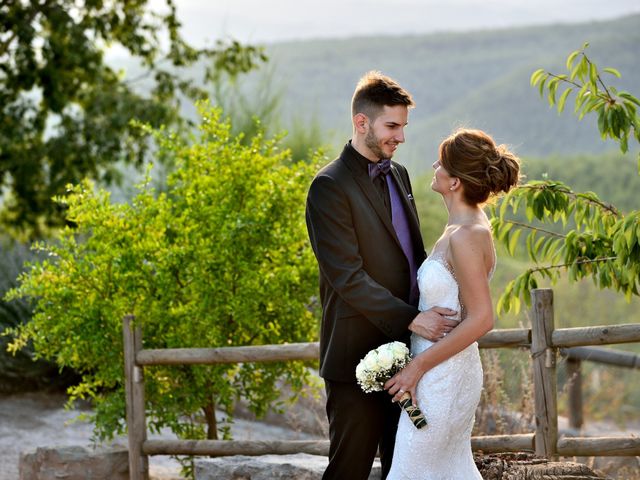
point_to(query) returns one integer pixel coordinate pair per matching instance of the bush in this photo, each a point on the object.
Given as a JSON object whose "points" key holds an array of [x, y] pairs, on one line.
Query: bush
{"points": [[220, 258]]}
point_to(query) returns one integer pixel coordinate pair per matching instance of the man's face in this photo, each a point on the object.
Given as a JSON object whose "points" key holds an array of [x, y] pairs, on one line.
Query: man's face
{"points": [[387, 131]]}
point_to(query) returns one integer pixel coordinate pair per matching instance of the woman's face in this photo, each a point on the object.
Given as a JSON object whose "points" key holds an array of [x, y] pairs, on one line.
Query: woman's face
{"points": [[441, 179]]}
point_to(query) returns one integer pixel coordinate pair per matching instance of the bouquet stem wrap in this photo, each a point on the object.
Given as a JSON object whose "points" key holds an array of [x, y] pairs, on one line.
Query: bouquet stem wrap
{"points": [[415, 415]]}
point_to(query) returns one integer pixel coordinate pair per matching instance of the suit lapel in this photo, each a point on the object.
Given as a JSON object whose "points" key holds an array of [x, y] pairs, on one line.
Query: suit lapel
{"points": [[365, 184], [408, 207]]}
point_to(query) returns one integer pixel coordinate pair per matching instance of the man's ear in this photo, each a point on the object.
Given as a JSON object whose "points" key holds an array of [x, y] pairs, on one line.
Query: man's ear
{"points": [[360, 122]]}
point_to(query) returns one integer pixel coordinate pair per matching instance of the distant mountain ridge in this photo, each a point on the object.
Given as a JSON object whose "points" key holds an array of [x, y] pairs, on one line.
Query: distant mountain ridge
{"points": [[476, 79]]}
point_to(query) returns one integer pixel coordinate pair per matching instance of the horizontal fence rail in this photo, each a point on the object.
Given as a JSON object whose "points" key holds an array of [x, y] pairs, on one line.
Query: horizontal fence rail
{"points": [[222, 448], [599, 446], [210, 356], [506, 338], [543, 341], [602, 355], [605, 335]]}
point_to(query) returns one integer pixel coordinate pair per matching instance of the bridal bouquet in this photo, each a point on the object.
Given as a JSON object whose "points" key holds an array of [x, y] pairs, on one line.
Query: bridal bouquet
{"points": [[378, 366]]}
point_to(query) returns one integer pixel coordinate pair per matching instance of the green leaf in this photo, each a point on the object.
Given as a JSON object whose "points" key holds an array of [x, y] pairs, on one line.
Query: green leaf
{"points": [[513, 241], [583, 69], [571, 58], [582, 96], [563, 99], [541, 86], [552, 86], [612, 71], [593, 74], [629, 236], [602, 122], [631, 98], [535, 76]]}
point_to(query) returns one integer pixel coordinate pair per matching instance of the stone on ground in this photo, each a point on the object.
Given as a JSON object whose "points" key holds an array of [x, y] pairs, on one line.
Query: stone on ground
{"points": [[267, 467]]}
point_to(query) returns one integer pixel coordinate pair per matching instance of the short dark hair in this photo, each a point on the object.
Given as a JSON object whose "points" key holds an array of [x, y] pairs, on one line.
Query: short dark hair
{"points": [[374, 91]]}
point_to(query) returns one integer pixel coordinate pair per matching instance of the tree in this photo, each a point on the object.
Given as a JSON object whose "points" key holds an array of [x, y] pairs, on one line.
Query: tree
{"points": [[65, 113], [219, 259], [587, 237]]}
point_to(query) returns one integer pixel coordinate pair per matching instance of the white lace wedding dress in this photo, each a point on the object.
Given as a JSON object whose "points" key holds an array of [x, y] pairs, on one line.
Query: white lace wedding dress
{"points": [[447, 395]]}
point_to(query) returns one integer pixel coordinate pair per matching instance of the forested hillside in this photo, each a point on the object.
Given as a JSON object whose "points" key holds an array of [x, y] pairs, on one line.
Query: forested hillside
{"points": [[478, 79]]}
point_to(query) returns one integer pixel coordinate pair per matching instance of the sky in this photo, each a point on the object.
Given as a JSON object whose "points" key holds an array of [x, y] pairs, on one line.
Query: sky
{"points": [[268, 21]]}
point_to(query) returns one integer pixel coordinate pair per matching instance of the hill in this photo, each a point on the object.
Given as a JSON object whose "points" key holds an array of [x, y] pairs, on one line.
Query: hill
{"points": [[478, 79]]}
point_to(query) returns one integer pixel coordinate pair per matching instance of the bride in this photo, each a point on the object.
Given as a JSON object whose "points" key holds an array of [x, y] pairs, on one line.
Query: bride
{"points": [[444, 378]]}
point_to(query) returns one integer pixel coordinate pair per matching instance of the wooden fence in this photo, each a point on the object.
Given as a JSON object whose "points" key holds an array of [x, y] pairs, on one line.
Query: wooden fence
{"points": [[574, 358], [543, 341]]}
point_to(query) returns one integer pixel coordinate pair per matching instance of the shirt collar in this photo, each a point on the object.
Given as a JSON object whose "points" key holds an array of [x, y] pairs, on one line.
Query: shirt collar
{"points": [[363, 162]]}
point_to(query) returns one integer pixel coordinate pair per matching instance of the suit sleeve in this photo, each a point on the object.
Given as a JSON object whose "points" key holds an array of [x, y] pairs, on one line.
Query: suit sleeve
{"points": [[334, 241]]}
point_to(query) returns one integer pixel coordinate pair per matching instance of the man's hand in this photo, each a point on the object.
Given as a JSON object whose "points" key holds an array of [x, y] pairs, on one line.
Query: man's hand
{"points": [[432, 324]]}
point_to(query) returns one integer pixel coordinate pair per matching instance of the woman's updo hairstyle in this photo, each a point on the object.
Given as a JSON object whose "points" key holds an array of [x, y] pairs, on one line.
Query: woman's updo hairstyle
{"points": [[483, 167]]}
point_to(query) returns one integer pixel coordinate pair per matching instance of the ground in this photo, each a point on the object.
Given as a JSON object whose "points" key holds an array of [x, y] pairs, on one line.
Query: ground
{"points": [[32, 420]]}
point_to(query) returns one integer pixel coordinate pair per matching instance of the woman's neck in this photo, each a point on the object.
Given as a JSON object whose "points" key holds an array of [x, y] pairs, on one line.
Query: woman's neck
{"points": [[463, 214]]}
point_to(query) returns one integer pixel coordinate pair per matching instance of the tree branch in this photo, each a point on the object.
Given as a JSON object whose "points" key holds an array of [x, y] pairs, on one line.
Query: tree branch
{"points": [[605, 206], [609, 97], [578, 262], [571, 82], [530, 227]]}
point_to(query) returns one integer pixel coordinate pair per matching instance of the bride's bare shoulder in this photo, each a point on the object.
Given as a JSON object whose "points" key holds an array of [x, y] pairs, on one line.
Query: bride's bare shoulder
{"points": [[471, 233], [470, 240]]}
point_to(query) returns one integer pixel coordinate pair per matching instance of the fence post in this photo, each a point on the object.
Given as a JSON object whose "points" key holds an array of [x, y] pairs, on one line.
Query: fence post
{"points": [[134, 389], [574, 377], [544, 373]]}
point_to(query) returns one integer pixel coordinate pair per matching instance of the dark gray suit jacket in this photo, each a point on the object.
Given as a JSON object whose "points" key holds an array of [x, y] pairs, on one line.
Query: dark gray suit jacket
{"points": [[364, 274]]}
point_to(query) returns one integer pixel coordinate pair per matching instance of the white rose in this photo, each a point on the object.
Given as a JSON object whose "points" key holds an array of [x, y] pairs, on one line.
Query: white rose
{"points": [[399, 349], [385, 359], [360, 370], [371, 361]]}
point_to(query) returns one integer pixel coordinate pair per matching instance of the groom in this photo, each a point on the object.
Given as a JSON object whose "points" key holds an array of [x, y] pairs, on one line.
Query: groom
{"points": [[363, 227]]}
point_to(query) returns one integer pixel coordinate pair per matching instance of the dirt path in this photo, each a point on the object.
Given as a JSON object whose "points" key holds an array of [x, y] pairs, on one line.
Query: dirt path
{"points": [[28, 421]]}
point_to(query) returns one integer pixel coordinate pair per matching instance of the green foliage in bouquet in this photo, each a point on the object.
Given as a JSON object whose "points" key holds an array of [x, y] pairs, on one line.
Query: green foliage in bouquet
{"points": [[221, 258], [583, 235]]}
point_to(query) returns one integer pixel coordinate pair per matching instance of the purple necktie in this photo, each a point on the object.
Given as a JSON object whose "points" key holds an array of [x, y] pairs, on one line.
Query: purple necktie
{"points": [[399, 220], [401, 226]]}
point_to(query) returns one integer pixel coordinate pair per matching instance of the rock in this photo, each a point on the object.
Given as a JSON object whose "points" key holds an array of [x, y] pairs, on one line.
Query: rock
{"points": [[518, 466], [75, 463], [267, 467], [524, 466]]}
